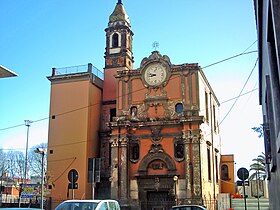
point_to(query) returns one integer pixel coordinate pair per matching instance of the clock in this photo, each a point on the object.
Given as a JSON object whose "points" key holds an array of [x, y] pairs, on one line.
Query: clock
{"points": [[155, 74]]}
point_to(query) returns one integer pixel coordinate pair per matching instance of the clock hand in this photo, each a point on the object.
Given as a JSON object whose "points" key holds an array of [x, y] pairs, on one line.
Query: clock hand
{"points": [[152, 75]]}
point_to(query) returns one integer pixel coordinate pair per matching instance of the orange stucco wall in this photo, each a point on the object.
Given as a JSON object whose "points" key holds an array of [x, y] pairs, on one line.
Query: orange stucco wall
{"points": [[227, 186], [174, 92], [73, 135], [109, 86]]}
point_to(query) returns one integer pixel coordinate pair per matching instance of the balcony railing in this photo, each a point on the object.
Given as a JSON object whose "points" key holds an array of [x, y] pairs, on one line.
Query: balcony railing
{"points": [[78, 69]]}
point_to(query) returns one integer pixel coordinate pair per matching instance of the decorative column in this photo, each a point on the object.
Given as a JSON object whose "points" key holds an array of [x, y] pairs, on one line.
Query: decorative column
{"points": [[187, 141], [124, 170], [196, 164], [114, 168]]}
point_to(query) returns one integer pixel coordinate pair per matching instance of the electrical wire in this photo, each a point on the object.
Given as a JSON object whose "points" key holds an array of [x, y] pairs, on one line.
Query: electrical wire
{"points": [[74, 110], [240, 92], [228, 100], [83, 141]]}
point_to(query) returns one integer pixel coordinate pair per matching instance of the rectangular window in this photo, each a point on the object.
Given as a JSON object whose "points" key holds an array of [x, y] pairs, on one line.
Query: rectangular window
{"points": [[134, 151], [206, 107], [214, 118], [217, 168], [270, 118], [209, 163], [113, 113], [179, 150]]}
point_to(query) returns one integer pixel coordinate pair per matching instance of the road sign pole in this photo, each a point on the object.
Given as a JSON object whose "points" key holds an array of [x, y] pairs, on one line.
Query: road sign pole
{"points": [[244, 195], [72, 183], [92, 179], [243, 174]]}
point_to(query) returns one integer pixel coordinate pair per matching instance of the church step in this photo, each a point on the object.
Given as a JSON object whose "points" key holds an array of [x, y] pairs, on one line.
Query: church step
{"points": [[251, 203]]}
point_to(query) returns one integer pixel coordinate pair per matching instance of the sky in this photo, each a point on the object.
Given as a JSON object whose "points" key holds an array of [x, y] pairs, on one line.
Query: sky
{"points": [[39, 35]]}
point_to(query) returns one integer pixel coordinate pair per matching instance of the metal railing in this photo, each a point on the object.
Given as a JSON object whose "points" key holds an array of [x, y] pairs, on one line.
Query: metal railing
{"points": [[78, 69]]}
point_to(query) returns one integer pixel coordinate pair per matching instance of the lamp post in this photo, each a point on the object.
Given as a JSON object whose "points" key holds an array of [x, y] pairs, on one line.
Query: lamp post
{"points": [[27, 123], [41, 151]]}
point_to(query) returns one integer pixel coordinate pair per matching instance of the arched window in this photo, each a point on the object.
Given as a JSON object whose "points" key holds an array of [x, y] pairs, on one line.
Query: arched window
{"points": [[134, 151], [224, 171], [115, 40], [179, 149]]}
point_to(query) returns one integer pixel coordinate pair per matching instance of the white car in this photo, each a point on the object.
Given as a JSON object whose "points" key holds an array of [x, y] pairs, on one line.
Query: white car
{"points": [[89, 205], [188, 207]]}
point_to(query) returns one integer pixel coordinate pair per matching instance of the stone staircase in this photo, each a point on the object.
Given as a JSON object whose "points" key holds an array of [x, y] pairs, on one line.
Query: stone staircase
{"points": [[251, 203]]}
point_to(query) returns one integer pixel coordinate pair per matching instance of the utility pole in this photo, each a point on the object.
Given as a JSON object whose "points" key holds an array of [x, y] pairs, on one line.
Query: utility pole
{"points": [[42, 152], [258, 188], [27, 123]]}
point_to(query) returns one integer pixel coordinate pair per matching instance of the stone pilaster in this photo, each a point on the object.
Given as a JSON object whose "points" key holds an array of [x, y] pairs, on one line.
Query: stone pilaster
{"points": [[124, 171], [115, 168], [197, 190], [187, 141], [193, 166]]}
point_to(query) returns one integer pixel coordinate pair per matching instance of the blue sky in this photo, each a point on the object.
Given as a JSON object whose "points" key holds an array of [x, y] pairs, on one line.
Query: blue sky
{"points": [[38, 35]]}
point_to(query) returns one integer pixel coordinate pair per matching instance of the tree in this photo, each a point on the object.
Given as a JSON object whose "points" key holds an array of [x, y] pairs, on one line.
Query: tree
{"points": [[258, 168], [259, 130], [35, 160], [3, 162], [16, 163]]}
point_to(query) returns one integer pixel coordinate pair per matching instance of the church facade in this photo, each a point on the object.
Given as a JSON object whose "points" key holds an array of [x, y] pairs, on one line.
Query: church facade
{"points": [[154, 130]]}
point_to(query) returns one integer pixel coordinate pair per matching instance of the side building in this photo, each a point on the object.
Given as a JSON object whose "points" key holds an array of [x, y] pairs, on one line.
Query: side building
{"points": [[75, 108], [268, 28], [227, 174]]}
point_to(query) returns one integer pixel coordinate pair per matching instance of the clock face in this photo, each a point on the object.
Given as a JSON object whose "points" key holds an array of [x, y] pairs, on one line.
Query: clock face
{"points": [[155, 74]]}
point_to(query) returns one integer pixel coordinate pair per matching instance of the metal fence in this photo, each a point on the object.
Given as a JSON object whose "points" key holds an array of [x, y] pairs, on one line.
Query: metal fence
{"points": [[78, 69]]}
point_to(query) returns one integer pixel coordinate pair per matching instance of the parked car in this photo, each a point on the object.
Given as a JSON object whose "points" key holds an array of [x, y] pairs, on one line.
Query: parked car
{"points": [[89, 205], [18, 208], [188, 207]]}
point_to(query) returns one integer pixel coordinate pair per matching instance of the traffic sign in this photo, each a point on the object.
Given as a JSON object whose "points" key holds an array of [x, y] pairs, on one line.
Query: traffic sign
{"points": [[243, 174], [73, 175]]}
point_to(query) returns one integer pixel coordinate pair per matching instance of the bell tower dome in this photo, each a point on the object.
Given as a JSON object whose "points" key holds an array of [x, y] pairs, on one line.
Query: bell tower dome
{"points": [[118, 51]]}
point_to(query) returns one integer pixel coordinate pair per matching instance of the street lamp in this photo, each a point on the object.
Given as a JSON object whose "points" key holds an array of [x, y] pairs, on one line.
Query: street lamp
{"points": [[42, 152], [27, 123]]}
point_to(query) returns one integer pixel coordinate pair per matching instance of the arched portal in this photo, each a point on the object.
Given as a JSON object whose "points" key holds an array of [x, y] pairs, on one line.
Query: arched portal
{"points": [[155, 180]]}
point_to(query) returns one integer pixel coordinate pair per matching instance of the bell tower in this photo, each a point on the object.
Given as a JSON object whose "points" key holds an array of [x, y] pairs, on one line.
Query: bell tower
{"points": [[118, 57], [118, 51], [119, 40]]}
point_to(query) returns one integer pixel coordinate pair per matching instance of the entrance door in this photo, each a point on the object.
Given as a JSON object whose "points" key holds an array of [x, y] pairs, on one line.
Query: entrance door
{"points": [[159, 200]]}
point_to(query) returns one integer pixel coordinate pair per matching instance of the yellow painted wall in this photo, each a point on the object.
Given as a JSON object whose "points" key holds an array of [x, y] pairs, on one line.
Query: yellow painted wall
{"points": [[211, 136]]}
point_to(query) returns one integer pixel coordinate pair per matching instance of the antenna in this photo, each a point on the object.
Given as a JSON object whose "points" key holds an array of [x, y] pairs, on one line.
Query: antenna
{"points": [[155, 45]]}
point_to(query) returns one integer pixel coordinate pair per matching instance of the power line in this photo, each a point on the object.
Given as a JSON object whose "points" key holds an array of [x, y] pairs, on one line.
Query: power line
{"points": [[244, 53], [77, 109], [83, 141], [240, 92], [228, 100]]}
